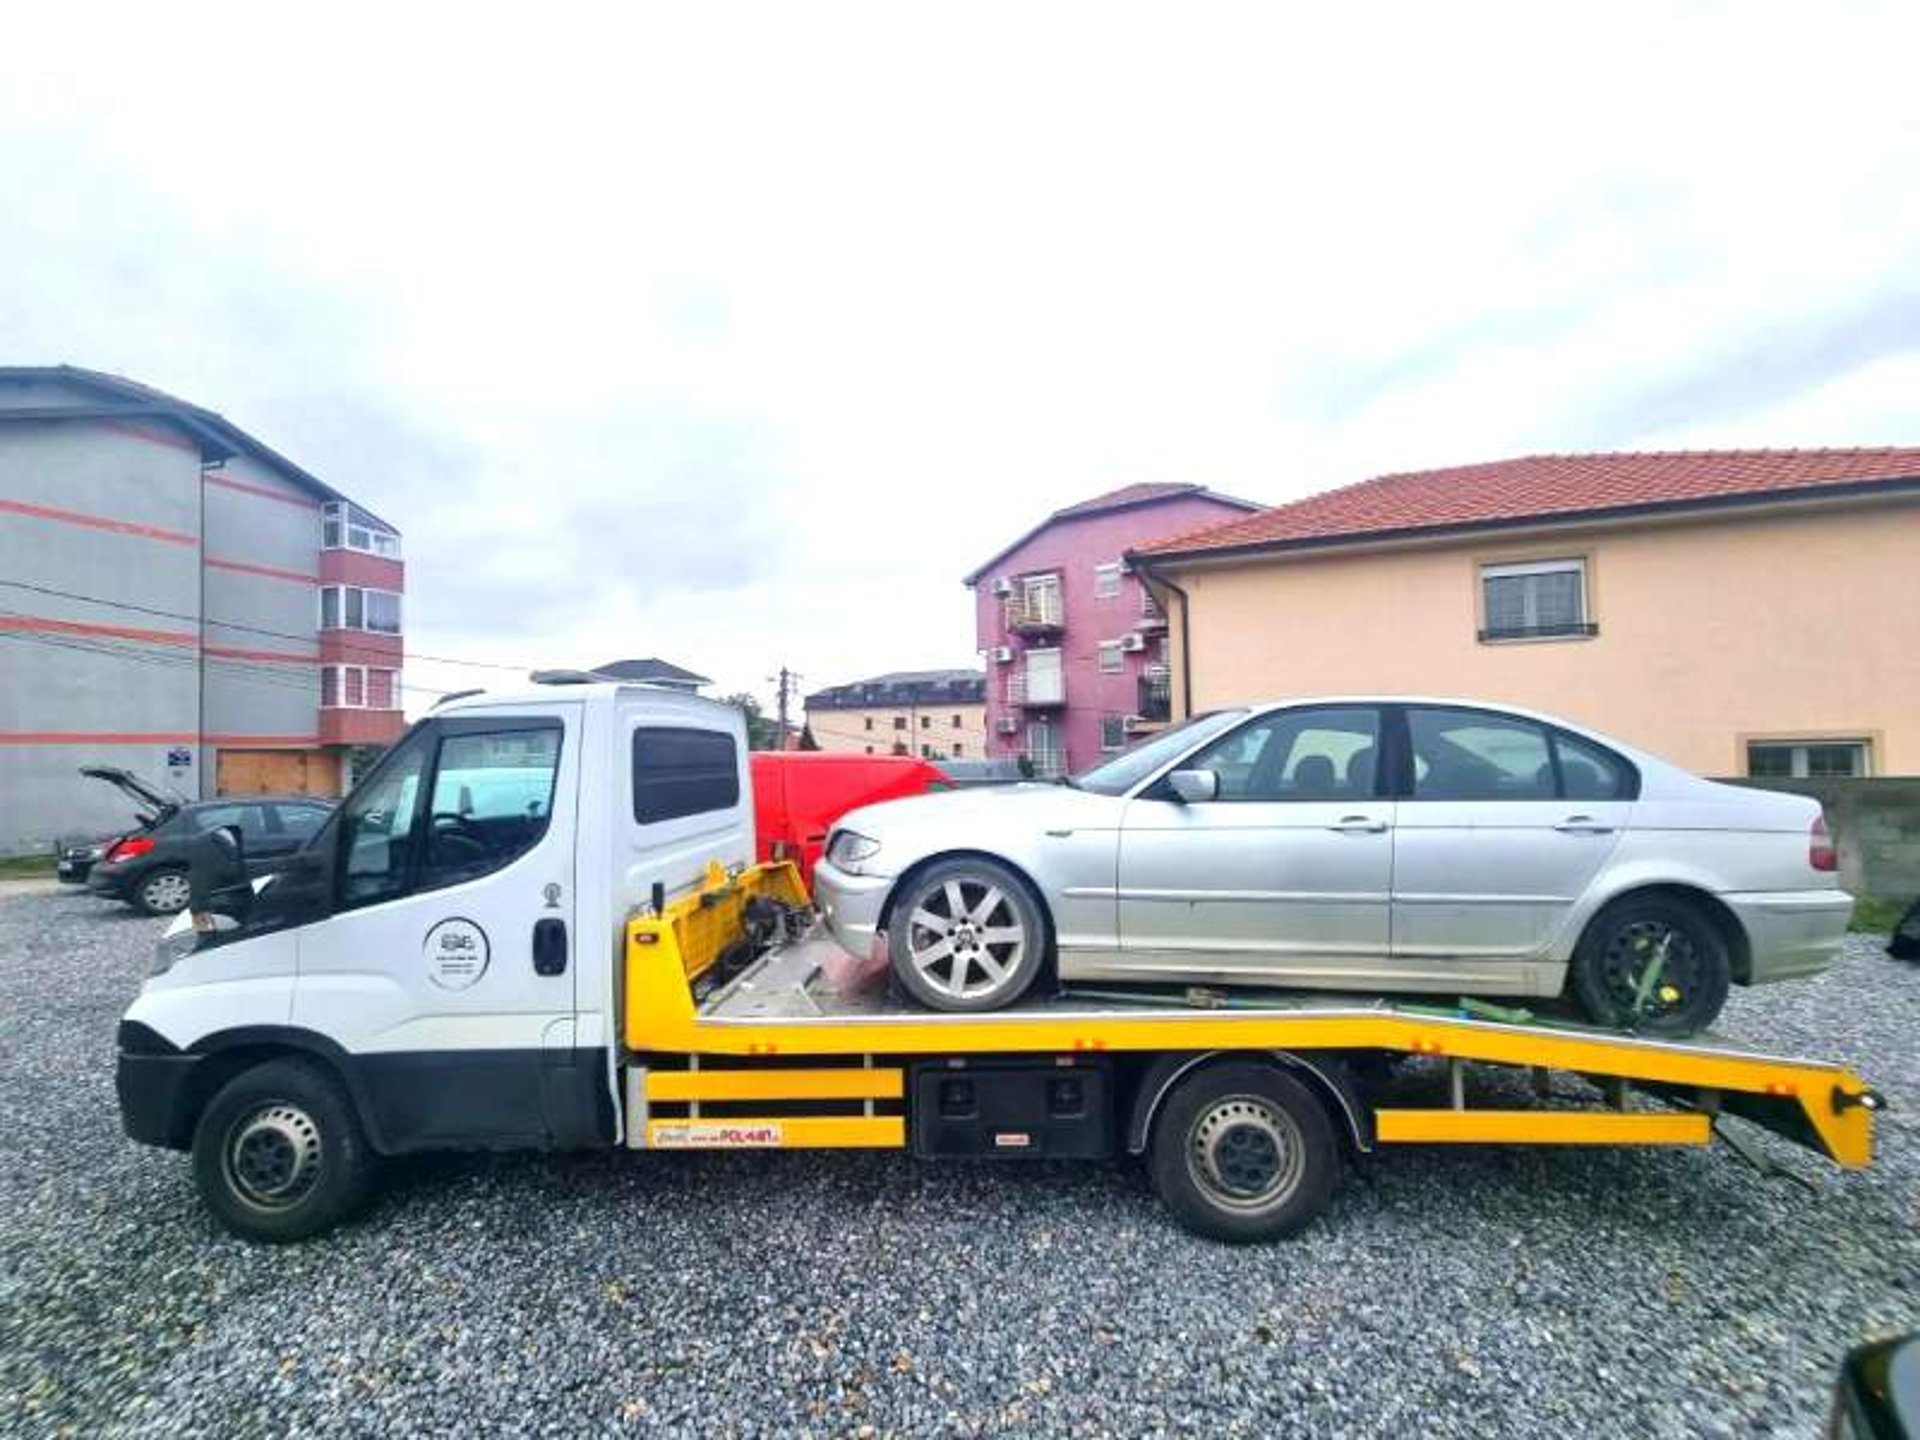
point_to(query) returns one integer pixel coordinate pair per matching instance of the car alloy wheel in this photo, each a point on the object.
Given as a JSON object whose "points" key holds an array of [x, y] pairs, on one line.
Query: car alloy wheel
{"points": [[966, 938], [165, 892]]}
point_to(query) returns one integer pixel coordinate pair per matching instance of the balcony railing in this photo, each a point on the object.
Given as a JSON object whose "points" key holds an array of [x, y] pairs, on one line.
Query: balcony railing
{"points": [[1035, 611], [1036, 692], [1152, 617], [1155, 696], [1048, 762]]}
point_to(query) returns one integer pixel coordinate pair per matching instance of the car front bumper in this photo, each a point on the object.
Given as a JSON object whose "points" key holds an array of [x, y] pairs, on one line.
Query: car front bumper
{"points": [[154, 1081], [852, 904], [1792, 933], [73, 870]]}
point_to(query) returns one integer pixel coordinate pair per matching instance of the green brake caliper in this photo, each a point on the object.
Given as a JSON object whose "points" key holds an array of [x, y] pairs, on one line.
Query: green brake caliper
{"points": [[1648, 981]]}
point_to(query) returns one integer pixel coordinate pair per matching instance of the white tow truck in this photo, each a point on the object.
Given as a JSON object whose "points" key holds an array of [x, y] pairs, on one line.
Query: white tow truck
{"points": [[536, 923]]}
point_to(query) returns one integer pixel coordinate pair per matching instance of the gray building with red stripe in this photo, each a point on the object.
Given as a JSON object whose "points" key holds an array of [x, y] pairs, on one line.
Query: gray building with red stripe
{"points": [[178, 599]]}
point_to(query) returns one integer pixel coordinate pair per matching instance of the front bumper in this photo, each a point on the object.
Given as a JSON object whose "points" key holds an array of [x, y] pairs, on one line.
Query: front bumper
{"points": [[154, 1079], [851, 903], [1792, 933]]}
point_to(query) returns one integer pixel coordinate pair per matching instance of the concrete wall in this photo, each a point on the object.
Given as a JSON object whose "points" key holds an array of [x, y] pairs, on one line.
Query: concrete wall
{"points": [[112, 514], [262, 557], [1074, 547], [1876, 828], [846, 731], [1712, 632]]}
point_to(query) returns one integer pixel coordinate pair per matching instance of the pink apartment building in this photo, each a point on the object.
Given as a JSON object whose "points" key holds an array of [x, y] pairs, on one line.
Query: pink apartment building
{"points": [[1076, 650]]}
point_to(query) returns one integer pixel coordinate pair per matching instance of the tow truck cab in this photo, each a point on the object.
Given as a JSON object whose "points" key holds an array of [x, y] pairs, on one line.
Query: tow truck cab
{"points": [[447, 947]]}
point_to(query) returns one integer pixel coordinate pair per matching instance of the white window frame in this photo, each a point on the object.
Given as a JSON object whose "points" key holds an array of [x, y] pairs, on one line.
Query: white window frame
{"points": [[366, 674], [1110, 651], [372, 539], [1106, 580], [1567, 564], [399, 605], [1797, 756], [1119, 732]]}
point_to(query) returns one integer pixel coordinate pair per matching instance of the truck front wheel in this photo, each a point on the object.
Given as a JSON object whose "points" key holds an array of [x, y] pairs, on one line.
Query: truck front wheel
{"points": [[278, 1154], [1243, 1151]]}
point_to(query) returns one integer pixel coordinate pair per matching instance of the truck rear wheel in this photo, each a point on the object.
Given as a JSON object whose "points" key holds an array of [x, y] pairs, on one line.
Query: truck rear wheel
{"points": [[1243, 1151], [278, 1154]]}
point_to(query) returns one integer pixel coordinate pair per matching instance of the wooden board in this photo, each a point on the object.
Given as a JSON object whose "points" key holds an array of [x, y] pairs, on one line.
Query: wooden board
{"points": [[277, 772]]}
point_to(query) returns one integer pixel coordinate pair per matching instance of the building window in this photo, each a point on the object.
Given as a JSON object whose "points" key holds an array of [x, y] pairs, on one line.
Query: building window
{"points": [[1106, 581], [1536, 600], [348, 527], [348, 607], [926, 752], [1113, 732], [869, 749], [1808, 759], [1112, 658], [926, 722], [899, 722], [956, 722], [359, 687], [958, 749]]}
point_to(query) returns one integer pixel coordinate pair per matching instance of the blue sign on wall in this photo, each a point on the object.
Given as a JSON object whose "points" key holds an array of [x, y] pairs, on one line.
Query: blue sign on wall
{"points": [[179, 758]]}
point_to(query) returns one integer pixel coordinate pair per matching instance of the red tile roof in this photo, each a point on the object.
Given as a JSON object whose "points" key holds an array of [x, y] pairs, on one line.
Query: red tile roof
{"points": [[1507, 492]]}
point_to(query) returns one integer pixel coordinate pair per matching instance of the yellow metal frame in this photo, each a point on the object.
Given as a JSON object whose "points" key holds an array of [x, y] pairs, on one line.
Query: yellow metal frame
{"points": [[665, 951]]}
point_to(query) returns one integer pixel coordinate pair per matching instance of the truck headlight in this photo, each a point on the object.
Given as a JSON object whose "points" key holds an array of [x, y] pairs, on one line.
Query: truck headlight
{"points": [[848, 848]]}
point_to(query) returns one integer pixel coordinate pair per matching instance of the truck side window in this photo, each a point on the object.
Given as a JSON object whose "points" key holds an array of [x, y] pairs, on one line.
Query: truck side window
{"points": [[492, 796], [680, 772], [377, 825]]}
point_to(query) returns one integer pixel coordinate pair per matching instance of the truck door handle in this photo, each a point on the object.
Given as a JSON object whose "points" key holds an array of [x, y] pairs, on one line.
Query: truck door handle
{"points": [[549, 946], [1359, 825], [1583, 825]]}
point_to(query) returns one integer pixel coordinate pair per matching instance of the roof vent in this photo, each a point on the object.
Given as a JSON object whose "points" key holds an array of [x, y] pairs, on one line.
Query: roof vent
{"points": [[566, 677]]}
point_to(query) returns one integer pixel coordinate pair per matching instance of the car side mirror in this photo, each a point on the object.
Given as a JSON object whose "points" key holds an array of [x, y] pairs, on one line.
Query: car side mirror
{"points": [[1194, 787], [217, 882]]}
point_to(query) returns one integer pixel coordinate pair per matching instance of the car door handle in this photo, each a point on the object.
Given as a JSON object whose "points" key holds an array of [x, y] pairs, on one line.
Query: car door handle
{"points": [[1359, 825], [549, 946], [1583, 825]]}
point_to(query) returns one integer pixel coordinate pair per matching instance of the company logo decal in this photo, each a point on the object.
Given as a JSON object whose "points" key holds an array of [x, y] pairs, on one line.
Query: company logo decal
{"points": [[456, 954], [715, 1135]]}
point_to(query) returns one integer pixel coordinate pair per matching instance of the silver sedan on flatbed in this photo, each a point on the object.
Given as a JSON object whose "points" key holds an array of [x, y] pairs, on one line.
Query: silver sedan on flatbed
{"points": [[1365, 844]]}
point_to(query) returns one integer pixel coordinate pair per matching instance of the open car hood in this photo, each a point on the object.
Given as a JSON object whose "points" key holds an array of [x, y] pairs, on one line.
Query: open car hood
{"points": [[134, 786]]}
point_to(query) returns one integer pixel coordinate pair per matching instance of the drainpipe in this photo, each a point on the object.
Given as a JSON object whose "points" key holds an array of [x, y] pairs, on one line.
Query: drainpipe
{"points": [[1147, 572]]}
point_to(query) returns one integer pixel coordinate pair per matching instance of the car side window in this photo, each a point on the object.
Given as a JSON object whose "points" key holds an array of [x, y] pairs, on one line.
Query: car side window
{"points": [[251, 819], [301, 822], [377, 825], [1475, 755], [1589, 773], [492, 799], [1323, 754]]}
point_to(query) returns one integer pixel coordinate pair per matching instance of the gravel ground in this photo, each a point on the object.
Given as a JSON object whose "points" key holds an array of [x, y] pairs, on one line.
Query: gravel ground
{"points": [[1449, 1291]]}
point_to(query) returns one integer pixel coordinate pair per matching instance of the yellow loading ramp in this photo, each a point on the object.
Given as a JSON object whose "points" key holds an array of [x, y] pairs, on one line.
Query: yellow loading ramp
{"points": [[733, 1063]]}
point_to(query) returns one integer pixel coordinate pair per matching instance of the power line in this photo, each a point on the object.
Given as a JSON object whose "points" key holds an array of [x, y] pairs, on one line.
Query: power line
{"points": [[236, 625]]}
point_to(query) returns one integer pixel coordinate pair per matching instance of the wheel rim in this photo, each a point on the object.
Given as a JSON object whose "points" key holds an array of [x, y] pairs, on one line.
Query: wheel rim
{"points": [[1246, 1153], [167, 891], [273, 1156], [1633, 949], [966, 938]]}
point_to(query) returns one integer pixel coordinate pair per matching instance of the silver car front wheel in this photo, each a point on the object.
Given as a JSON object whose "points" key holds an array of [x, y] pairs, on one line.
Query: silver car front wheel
{"points": [[967, 935]]}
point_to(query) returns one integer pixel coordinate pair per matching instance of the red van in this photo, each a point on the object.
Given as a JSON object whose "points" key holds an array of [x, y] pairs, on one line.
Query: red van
{"points": [[797, 795]]}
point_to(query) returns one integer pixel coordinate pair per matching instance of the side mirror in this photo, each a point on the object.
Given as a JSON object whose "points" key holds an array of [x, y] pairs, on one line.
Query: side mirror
{"points": [[1194, 787], [217, 882]]}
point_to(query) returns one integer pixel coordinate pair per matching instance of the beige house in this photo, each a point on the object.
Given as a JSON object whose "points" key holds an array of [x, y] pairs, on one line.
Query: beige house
{"points": [[930, 714], [1742, 613]]}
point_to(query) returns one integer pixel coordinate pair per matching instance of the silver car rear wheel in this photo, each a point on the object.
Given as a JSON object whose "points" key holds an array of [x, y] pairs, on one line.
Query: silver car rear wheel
{"points": [[967, 935]]}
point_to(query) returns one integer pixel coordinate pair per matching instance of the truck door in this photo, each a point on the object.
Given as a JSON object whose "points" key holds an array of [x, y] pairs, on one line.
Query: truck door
{"points": [[446, 963]]}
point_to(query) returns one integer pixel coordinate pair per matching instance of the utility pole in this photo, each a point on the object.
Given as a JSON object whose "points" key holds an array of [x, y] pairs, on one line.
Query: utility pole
{"points": [[788, 681]]}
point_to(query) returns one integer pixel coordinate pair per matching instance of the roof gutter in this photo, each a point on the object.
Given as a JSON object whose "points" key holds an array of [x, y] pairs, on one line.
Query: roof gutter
{"points": [[1146, 569]]}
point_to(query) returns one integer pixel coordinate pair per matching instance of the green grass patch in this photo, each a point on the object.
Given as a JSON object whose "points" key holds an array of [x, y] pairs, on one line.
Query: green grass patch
{"points": [[1874, 916], [25, 867]]}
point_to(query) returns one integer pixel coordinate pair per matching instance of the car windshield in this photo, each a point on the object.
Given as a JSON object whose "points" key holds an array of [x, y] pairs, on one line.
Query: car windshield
{"points": [[1127, 769]]}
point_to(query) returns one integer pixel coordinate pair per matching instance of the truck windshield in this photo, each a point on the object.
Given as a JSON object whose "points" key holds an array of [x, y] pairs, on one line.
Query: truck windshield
{"points": [[1131, 766]]}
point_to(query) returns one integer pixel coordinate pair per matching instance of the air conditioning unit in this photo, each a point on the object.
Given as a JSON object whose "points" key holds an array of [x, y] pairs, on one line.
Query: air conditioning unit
{"points": [[1003, 654], [1133, 644], [1008, 724], [1003, 586]]}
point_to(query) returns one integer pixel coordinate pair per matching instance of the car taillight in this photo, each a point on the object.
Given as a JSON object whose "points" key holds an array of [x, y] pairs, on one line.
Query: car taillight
{"points": [[129, 849], [1820, 852]]}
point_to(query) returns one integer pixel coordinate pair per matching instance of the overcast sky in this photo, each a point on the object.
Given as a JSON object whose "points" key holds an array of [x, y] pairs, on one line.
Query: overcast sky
{"points": [[738, 335]]}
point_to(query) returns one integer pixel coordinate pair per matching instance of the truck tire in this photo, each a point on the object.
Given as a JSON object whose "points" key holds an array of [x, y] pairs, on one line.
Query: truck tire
{"points": [[278, 1154], [1243, 1151], [1623, 939], [966, 934]]}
